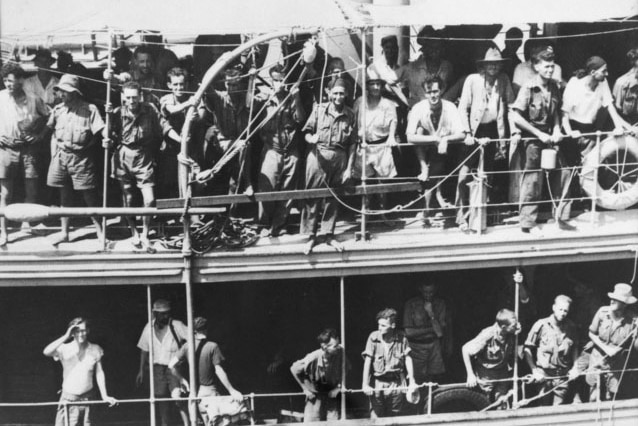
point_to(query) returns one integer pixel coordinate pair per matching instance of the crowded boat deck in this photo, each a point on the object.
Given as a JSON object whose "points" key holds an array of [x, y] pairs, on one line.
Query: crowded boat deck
{"points": [[406, 247]]}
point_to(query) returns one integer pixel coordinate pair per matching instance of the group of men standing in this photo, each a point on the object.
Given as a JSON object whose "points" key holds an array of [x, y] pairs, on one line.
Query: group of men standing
{"points": [[413, 103]]}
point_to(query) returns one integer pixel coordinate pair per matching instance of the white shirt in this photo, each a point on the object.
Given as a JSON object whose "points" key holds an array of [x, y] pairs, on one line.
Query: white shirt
{"points": [[18, 117], [525, 72], [78, 374], [164, 350], [420, 116], [581, 103]]}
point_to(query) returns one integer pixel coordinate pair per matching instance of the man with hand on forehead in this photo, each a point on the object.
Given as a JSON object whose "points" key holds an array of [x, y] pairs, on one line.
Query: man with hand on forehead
{"points": [[331, 131], [81, 362]]}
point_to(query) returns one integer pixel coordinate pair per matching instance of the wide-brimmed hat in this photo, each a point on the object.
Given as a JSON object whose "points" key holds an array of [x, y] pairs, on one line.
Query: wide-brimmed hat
{"points": [[44, 54], [413, 396], [427, 35], [492, 55], [161, 305], [622, 293], [69, 83]]}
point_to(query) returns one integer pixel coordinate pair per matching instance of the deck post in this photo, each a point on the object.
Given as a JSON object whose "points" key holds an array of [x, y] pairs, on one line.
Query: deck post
{"points": [[430, 384], [517, 290], [592, 218], [342, 304], [151, 357], [107, 126], [481, 179], [187, 277], [364, 144]]}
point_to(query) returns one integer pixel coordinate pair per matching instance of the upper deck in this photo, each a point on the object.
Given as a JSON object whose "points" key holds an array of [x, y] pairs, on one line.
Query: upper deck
{"points": [[33, 260]]}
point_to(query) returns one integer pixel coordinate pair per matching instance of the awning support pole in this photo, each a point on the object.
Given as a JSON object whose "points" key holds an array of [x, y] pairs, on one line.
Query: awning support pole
{"points": [[342, 306], [364, 144], [107, 122], [187, 252], [151, 357], [517, 290]]}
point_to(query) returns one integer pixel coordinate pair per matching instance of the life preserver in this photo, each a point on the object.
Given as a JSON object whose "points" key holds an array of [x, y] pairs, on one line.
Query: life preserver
{"points": [[608, 198], [457, 399]]}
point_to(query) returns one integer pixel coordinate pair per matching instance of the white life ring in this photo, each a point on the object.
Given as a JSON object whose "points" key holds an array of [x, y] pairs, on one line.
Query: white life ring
{"points": [[624, 193]]}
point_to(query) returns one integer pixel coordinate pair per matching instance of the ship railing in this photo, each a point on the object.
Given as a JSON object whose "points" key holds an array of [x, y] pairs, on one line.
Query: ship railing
{"points": [[479, 202], [432, 387]]}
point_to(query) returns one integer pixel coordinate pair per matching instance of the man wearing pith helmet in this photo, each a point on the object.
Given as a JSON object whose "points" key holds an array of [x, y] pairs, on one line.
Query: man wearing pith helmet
{"points": [[610, 333], [76, 126]]}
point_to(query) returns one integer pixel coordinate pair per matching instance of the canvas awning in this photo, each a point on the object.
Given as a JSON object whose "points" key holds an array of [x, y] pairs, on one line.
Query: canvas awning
{"points": [[460, 12], [35, 19]]}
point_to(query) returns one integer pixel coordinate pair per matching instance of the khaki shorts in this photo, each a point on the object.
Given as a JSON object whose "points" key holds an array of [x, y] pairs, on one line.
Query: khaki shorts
{"points": [[133, 167], [76, 166], [14, 160]]}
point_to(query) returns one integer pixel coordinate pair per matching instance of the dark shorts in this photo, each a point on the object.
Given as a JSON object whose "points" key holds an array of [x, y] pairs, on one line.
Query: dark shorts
{"points": [[133, 167], [77, 166], [12, 161]]}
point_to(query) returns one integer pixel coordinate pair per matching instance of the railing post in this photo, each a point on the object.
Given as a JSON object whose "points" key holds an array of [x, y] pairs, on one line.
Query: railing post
{"points": [[252, 408], [151, 357], [594, 197], [481, 178], [107, 125], [517, 291], [187, 277], [342, 304], [364, 144], [598, 387], [429, 398]]}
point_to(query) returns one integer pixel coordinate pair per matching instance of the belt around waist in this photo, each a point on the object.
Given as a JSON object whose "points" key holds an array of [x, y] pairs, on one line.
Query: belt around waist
{"points": [[388, 377], [378, 141]]}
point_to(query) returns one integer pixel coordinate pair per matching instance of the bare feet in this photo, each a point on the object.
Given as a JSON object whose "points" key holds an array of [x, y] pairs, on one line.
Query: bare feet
{"points": [[249, 191], [3, 239], [312, 242], [334, 244], [147, 245], [136, 242]]}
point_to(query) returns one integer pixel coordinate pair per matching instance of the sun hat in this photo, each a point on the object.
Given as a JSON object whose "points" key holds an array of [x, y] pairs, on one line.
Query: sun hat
{"points": [[161, 305], [492, 55], [69, 83], [622, 293]]}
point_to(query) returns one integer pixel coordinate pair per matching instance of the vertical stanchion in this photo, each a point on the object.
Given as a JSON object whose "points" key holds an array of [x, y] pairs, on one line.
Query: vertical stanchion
{"points": [[342, 305], [364, 144], [151, 357], [107, 126], [598, 382], [481, 179], [592, 219], [187, 277], [429, 399], [517, 291], [252, 408]]}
